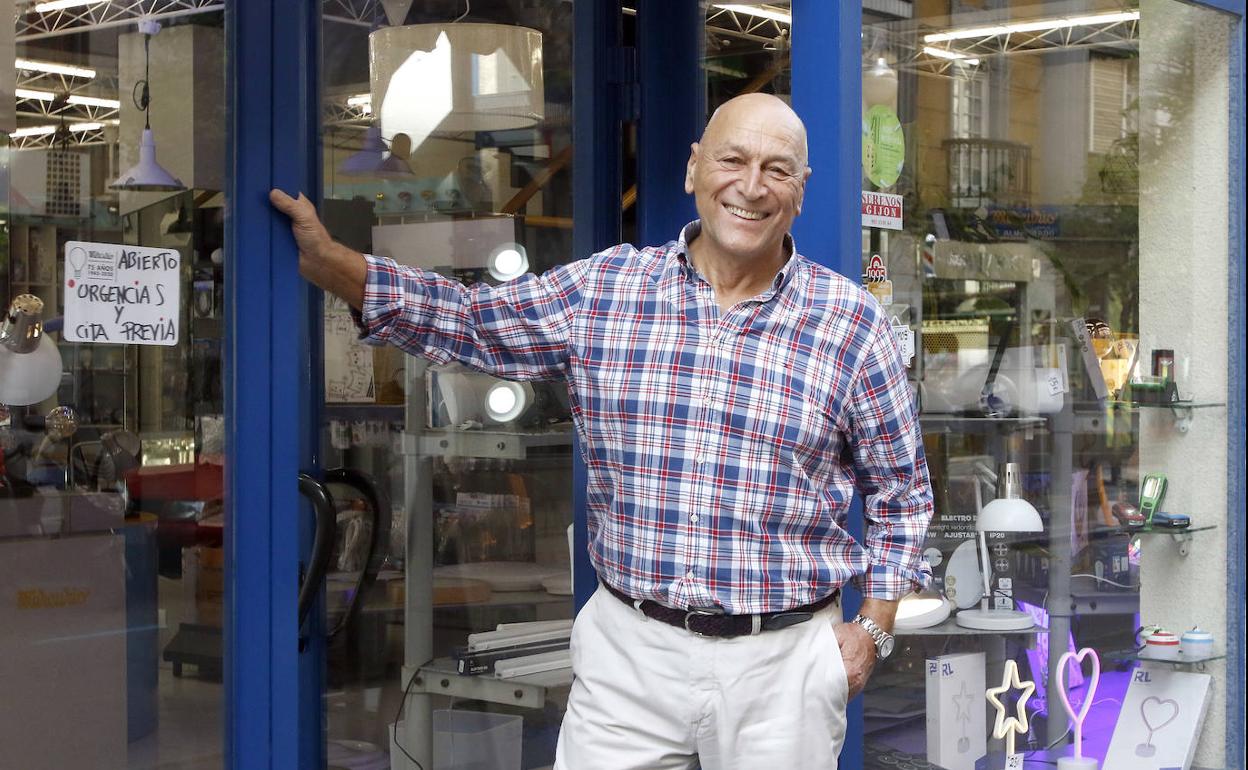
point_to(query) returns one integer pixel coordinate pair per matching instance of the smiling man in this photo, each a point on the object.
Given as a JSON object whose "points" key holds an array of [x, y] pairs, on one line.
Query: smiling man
{"points": [[731, 397]]}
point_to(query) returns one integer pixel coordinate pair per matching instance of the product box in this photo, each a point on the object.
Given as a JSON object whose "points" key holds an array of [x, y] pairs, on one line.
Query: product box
{"points": [[1161, 717], [956, 710], [63, 662]]}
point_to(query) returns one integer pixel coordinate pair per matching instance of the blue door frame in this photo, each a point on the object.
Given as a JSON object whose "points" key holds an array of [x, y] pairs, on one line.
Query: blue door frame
{"points": [[273, 690]]}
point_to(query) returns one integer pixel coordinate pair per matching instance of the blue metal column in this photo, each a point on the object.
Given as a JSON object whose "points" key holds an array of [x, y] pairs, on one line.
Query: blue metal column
{"points": [[673, 110], [827, 94], [595, 188], [273, 692]]}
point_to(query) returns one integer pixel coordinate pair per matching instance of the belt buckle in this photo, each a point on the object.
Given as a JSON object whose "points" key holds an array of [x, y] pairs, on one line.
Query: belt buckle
{"points": [[699, 612]]}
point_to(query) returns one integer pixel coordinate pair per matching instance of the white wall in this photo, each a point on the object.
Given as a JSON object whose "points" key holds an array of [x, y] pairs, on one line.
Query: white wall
{"points": [[1184, 252]]}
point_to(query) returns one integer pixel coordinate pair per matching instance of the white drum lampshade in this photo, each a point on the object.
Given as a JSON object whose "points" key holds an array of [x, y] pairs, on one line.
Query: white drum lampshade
{"points": [[455, 78]]}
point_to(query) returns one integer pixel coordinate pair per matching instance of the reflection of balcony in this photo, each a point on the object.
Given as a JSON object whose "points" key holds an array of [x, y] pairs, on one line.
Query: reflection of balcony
{"points": [[987, 171]]}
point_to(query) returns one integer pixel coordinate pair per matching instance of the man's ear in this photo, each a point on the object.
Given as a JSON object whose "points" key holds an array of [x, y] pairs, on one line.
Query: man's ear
{"points": [[690, 167], [801, 193]]}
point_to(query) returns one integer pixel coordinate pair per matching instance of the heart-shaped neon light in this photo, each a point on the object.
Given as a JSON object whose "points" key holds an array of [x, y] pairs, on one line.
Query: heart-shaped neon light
{"points": [[1078, 717], [1158, 704]]}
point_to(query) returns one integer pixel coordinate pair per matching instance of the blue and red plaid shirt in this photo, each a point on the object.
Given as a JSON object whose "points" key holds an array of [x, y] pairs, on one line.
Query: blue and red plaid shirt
{"points": [[722, 450]]}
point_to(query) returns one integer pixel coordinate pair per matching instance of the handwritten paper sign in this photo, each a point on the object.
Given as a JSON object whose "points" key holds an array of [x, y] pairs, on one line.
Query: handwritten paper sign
{"points": [[119, 294]]}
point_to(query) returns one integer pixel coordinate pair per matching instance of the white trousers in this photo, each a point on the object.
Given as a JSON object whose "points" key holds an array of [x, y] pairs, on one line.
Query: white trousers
{"points": [[649, 696]]}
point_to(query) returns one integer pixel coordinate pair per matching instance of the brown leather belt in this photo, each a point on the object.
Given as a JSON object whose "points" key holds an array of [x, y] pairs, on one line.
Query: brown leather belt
{"points": [[715, 622]]}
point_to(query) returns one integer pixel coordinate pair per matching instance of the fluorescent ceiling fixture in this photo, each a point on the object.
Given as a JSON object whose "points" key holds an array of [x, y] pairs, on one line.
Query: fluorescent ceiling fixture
{"points": [[79, 127], [94, 101], [760, 11], [360, 100], [1033, 26], [33, 131], [941, 53], [60, 5], [52, 68], [30, 93]]}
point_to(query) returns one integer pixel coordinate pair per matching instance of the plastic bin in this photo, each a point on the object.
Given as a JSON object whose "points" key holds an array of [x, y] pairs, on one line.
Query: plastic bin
{"points": [[474, 740]]}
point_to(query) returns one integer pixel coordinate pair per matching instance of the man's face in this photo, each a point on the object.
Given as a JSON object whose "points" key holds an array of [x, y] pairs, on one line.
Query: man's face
{"points": [[747, 177]]}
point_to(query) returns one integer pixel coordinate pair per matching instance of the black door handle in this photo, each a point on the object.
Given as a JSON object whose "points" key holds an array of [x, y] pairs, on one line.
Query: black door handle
{"points": [[322, 541], [380, 525]]}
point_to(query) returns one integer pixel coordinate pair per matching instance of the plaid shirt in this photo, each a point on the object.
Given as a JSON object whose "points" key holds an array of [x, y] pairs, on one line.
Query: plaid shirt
{"points": [[722, 450]]}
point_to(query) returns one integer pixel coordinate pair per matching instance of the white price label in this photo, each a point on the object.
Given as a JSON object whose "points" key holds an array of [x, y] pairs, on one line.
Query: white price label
{"points": [[1014, 762], [1053, 378]]}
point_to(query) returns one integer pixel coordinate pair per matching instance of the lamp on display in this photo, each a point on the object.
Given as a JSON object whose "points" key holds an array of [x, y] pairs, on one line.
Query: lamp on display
{"points": [[454, 77], [147, 175], [507, 262], [506, 400], [922, 609], [30, 366], [879, 85], [1008, 513]]}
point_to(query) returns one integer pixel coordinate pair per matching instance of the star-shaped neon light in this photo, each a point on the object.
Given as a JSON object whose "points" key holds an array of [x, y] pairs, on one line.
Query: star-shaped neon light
{"points": [[1008, 727], [962, 702]]}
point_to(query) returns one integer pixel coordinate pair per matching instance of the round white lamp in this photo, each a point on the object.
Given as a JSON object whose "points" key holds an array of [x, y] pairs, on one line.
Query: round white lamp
{"points": [[1008, 513], [508, 262], [506, 400], [30, 366]]}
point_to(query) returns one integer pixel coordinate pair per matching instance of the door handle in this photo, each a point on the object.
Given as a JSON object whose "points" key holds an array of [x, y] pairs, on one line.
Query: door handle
{"points": [[322, 541], [380, 524]]}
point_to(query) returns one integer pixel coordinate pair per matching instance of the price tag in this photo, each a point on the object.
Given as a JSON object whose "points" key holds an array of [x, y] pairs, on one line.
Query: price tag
{"points": [[1053, 379], [1014, 762]]}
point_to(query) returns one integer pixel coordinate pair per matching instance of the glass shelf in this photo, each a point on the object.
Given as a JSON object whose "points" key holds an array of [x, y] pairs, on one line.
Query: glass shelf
{"points": [[1149, 531], [1165, 404], [1182, 660]]}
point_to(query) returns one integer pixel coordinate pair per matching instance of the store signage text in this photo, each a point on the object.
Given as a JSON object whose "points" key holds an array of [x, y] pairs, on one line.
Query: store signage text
{"points": [[119, 294], [881, 210]]}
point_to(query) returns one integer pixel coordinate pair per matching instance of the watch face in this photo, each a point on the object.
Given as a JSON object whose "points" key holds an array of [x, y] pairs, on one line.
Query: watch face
{"points": [[886, 648]]}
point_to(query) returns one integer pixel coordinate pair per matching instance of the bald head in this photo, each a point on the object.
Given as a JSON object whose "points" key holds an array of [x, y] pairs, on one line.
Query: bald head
{"points": [[761, 109]]}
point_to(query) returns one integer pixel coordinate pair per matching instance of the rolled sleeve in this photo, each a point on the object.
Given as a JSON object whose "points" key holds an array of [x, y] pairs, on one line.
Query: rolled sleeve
{"points": [[517, 330], [890, 471]]}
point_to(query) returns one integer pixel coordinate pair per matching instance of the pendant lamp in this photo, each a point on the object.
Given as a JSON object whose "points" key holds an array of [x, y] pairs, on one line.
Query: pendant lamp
{"points": [[147, 175], [455, 77], [30, 366]]}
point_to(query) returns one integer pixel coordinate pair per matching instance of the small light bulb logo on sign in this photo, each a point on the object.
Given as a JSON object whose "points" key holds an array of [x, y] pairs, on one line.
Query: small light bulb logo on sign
{"points": [[121, 295]]}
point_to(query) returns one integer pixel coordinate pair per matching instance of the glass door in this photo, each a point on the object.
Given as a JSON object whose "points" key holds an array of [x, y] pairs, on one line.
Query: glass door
{"points": [[447, 147], [112, 456]]}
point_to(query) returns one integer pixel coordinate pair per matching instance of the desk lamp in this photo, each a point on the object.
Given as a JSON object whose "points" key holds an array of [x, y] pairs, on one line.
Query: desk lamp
{"points": [[1008, 513], [30, 366]]}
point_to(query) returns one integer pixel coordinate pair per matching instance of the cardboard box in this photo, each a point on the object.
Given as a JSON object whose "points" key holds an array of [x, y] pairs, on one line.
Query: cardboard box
{"points": [[63, 653], [956, 710]]}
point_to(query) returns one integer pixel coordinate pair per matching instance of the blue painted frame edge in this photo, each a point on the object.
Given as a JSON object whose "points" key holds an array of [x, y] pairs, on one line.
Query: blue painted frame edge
{"points": [[273, 702], [673, 109], [596, 187], [1235, 540], [247, 666], [829, 99]]}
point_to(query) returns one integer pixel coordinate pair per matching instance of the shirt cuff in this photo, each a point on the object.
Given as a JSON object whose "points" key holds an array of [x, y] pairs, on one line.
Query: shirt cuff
{"points": [[890, 582], [383, 300]]}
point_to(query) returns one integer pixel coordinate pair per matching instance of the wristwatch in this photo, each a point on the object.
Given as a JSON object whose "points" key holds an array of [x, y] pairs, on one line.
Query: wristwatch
{"points": [[883, 640]]}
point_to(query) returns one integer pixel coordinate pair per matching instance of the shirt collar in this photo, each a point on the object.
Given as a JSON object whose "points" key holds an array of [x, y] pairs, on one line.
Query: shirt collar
{"points": [[692, 230]]}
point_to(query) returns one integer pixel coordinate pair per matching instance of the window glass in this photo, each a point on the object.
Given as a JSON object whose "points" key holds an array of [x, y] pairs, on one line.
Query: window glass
{"points": [[111, 509], [447, 147], [1059, 259]]}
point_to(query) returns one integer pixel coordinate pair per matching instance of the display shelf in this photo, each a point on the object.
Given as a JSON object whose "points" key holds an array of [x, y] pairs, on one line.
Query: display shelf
{"points": [[440, 677], [1126, 656], [950, 627], [364, 411], [1181, 536], [482, 443], [950, 422]]}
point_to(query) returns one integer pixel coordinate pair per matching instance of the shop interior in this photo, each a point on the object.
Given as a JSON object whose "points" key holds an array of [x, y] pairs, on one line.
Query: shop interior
{"points": [[1027, 191]]}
